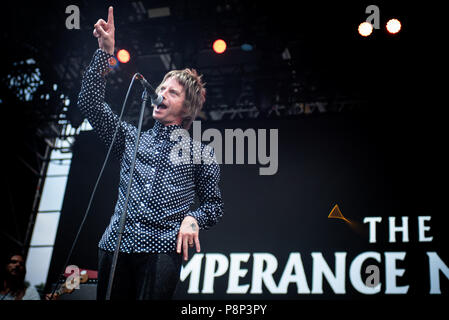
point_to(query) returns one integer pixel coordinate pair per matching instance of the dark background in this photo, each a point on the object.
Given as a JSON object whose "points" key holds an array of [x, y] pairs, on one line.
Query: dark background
{"points": [[326, 160], [383, 156]]}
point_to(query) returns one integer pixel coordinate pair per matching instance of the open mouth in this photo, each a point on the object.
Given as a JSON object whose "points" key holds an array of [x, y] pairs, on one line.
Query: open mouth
{"points": [[161, 106]]}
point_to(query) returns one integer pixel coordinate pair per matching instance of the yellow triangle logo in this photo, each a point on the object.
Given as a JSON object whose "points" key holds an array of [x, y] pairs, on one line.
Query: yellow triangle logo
{"points": [[336, 213]]}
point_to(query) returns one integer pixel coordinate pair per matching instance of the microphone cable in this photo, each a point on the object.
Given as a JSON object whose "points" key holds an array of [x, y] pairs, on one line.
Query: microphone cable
{"points": [[61, 274]]}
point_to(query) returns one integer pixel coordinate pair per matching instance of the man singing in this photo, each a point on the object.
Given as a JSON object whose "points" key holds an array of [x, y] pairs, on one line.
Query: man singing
{"points": [[160, 226]]}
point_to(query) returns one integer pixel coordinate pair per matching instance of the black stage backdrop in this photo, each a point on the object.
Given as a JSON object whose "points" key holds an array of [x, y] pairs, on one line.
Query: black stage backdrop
{"points": [[369, 167]]}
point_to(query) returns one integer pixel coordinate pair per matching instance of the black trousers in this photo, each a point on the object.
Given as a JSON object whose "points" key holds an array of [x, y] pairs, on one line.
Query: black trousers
{"points": [[139, 276]]}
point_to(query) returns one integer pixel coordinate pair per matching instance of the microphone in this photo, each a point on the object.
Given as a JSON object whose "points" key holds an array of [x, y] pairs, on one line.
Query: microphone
{"points": [[156, 99]]}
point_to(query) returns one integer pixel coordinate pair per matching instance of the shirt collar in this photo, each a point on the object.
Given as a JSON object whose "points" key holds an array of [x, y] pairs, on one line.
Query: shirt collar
{"points": [[164, 131]]}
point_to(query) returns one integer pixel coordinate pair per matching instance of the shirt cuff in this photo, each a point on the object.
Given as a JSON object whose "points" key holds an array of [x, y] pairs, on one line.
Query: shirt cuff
{"points": [[103, 62]]}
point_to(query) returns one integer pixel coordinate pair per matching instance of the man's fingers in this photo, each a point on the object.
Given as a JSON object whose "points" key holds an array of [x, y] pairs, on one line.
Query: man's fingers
{"points": [[178, 244], [96, 35], [100, 22], [111, 16], [185, 248], [100, 31], [197, 243]]}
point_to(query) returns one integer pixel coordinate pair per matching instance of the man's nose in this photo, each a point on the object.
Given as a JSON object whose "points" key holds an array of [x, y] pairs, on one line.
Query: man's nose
{"points": [[163, 93]]}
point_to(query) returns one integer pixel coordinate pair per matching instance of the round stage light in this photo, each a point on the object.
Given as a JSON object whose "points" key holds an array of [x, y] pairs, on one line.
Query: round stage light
{"points": [[123, 56], [219, 46], [393, 26], [365, 29]]}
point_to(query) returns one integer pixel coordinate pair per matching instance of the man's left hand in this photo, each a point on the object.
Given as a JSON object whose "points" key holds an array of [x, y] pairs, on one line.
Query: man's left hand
{"points": [[188, 236]]}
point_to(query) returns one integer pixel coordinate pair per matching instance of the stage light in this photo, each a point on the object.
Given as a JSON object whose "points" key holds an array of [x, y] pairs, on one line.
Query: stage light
{"points": [[246, 47], [123, 56], [219, 46], [365, 29], [393, 26]]}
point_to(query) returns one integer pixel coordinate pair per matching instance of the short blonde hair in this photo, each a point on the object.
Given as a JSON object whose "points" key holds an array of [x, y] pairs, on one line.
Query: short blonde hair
{"points": [[195, 93]]}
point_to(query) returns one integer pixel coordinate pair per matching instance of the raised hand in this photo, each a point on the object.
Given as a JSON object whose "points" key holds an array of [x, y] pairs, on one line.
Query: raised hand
{"points": [[104, 32]]}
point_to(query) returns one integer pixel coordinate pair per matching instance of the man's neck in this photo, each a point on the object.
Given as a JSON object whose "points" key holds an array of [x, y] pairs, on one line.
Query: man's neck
{"points": [[171, 123]]}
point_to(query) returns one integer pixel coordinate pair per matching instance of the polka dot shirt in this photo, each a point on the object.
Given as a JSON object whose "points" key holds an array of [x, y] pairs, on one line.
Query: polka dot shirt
{"points": [[162, 191]]}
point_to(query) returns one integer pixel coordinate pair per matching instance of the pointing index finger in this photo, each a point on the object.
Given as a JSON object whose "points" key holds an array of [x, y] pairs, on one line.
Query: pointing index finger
{"points": [[111, 16]]}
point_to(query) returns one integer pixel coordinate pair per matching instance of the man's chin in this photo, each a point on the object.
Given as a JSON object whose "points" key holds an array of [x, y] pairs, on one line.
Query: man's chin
{"points": [[157, 116], [164, 120]]}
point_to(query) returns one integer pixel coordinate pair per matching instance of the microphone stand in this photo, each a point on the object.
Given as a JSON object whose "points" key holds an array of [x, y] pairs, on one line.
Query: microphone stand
{"points": [[145, 97]]}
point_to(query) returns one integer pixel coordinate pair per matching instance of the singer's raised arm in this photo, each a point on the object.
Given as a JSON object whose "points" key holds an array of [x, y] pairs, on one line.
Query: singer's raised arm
{"points": [[95, 109], [91, 98]]}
